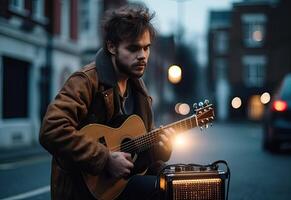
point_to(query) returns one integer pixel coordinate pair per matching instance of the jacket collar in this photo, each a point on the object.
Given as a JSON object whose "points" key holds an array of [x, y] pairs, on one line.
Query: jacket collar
{"points": [[107, 75], [105, 69]]}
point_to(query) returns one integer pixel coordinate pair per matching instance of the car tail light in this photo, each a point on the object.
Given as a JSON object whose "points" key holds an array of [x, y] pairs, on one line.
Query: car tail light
{"points": [[280, 105]]}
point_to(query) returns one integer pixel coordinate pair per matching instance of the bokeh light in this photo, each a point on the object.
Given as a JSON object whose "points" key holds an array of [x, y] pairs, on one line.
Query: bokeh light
{"points": [[236, 102], [265, 98], [258, 36], [182, 108], [175, 74]]}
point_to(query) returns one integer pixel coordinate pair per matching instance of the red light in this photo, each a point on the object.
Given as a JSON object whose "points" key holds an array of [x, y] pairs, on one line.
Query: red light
{"points": [[280, 105]]}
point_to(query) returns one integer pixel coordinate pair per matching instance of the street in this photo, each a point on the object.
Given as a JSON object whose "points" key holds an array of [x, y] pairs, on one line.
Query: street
{"points": [[255, 174]]}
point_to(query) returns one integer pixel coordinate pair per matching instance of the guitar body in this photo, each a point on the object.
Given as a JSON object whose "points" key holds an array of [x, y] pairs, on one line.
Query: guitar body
{"points": [[130, 135], [103, 187]]}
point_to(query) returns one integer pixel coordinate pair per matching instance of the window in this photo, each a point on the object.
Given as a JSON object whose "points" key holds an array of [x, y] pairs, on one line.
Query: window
{"points": [[254, 70], [221, 67], [38, 9], [254, 29], [85, 13], [16, 4], [18, 7], [15, 88], [221, 42], [65, 19]]}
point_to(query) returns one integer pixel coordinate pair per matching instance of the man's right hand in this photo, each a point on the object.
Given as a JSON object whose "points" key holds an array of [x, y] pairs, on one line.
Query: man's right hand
{"points": [[119, 164]]}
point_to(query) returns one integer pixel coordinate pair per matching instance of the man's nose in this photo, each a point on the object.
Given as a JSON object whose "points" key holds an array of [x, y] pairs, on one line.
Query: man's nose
{"points": [[141, 54]]}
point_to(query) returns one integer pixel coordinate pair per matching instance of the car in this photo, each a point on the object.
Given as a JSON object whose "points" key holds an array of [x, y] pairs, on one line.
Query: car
{"points": [[277, 120]]}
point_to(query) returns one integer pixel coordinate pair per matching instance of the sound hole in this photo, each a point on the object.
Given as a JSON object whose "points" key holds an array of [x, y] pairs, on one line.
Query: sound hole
{"points": [[102, 141], [127, 145]]}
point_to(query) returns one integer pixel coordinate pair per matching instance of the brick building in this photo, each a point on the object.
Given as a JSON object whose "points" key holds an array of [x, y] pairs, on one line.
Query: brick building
{"points": [[259, 43], [42, 43]]}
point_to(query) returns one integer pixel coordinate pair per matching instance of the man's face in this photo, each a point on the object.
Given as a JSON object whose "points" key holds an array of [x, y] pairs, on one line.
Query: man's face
{"points": [[132, 56]]}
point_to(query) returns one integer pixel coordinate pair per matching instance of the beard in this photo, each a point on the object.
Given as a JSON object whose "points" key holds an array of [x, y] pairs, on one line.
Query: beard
{"points": [[129, 70]]}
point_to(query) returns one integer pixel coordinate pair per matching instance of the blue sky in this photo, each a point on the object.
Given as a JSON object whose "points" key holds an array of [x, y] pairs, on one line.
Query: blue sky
{"points": [[193, 16]]}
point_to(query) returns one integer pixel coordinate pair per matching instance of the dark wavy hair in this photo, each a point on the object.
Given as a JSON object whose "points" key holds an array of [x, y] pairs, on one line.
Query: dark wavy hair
{"points": [[128, 22]]}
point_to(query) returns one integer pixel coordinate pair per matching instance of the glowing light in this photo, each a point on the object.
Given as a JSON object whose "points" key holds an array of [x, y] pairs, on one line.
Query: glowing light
{"points": [[184, 109], [236, 102], [255, 107], [257, 36], [177, 107], [175, 74], [162, 183], [280, 105], [195, 181], [179, 141], [265, 98]]}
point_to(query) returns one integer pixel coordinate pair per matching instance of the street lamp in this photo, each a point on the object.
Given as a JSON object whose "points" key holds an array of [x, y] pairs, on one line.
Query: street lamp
{"points": [[174, 74]]}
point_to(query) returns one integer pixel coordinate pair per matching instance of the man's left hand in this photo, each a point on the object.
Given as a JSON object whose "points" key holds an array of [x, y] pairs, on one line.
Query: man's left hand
{"points": [[166, 139]]}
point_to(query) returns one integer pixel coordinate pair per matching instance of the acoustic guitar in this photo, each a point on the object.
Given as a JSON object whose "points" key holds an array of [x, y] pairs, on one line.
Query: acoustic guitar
{"points": [[131, 137]]}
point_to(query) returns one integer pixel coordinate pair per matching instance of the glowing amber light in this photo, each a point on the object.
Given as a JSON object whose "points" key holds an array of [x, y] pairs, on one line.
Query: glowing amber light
{"points": [[162, 183], [180, 141], [195, 181], [280, 105], [175, 74]]}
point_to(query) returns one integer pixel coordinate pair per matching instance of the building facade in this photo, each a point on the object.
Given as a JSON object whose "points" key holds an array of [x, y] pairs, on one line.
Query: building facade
{"points": [[259, 45], [42, 43], [219, 52]]}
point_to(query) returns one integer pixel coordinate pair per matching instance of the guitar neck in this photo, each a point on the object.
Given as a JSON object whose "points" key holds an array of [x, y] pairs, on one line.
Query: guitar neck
{"points": [[144, 142]]}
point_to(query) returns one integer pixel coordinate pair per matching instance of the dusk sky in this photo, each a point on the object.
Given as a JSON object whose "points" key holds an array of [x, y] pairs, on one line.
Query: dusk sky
{"points": [[193, 16]]}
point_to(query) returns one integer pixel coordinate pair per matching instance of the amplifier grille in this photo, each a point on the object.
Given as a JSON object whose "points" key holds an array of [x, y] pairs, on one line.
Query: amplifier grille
{"points": [[197, 189]]}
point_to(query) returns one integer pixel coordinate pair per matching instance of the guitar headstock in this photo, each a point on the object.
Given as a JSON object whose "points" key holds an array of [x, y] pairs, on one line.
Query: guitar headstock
{"points": [[204, 113]]}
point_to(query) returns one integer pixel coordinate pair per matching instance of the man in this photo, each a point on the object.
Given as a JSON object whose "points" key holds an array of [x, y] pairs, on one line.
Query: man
{"points": [[99, 93]]}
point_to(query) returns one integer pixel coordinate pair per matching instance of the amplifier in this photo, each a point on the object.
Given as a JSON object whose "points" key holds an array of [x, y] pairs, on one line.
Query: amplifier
{"points": [[192, 182]]}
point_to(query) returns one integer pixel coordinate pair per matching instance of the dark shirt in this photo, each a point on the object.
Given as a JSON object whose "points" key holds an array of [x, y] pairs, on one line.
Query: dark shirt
{"points": [[127, 101]]}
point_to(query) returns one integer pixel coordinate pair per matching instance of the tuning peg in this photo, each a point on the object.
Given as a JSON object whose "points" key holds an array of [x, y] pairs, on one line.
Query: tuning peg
{"points": [[206, 102], [201, 128], [195, 106], [206, 126], [200, 104]]}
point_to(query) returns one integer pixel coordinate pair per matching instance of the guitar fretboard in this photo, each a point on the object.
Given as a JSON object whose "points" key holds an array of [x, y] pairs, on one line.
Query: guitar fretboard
{"points": [[144, 142]]}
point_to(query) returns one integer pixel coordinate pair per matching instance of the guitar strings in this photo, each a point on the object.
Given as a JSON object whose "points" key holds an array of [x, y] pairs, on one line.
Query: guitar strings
{"points": [[147, 140], [131, 145]]}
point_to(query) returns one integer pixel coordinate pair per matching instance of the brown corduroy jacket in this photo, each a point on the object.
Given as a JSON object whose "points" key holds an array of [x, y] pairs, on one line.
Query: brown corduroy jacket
{"points": [[88, 96]]}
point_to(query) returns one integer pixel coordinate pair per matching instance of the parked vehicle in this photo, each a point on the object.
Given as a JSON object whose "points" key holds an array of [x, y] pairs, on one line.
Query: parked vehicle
{"points": [[277, 121]]}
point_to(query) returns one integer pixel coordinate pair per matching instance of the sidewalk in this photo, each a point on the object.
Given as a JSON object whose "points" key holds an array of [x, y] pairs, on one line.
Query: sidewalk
{"points": [[21, 153]]}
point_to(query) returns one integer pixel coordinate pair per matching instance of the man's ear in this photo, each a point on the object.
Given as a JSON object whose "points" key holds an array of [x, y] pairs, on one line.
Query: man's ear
{"points": [[111, 47]]}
